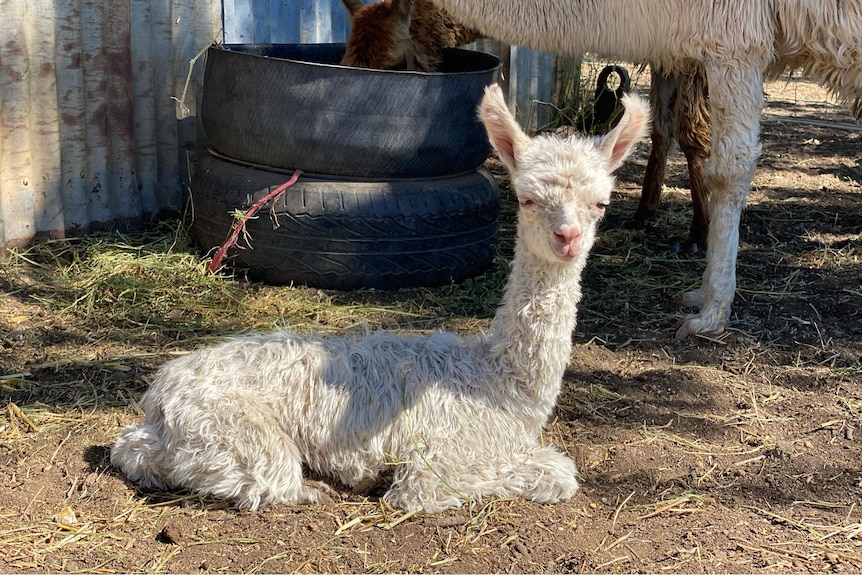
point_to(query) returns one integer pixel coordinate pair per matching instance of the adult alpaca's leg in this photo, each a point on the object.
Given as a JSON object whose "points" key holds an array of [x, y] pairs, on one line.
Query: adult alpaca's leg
{"points": [[681, 111], [693, 134], [663, 101], [736, 101]]}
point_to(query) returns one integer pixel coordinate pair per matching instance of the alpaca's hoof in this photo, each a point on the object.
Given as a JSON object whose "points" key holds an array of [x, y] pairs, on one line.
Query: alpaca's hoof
{"points": [[559, 490], [367, 485], [710, 321], [622, 222], [686, 247], [320, 492], [685, 330]]}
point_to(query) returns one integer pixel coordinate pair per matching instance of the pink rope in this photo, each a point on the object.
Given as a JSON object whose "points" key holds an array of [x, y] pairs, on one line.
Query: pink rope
{"points": [[240, 225]]}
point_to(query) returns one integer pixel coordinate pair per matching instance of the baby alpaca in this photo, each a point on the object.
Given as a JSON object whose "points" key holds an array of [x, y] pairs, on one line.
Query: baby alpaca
{"points": [[454, 418], [406, 34]]}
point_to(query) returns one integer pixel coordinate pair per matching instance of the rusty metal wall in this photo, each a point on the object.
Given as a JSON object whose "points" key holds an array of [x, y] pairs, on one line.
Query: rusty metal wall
{"points": [[90, 133], [530, 77], [285, 21]]}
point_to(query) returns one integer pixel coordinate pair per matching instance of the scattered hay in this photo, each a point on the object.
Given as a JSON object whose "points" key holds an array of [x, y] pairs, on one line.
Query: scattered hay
{"points": [[669, 436]]}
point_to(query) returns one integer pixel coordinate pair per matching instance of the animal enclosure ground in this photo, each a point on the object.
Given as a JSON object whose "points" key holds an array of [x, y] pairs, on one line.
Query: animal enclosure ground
{"points": [[738, 453]]}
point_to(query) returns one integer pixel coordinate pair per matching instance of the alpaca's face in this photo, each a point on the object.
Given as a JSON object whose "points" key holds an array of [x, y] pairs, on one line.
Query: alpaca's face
{"points": [[561, 196], [563, 185]]}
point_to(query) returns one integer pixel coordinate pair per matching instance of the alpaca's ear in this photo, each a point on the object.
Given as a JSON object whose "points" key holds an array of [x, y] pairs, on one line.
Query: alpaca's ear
{"points": [[504, 133], [352, 5], [632, 128]]}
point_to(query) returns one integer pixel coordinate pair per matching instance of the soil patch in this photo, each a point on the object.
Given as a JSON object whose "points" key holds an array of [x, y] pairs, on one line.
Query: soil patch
{"points": [[738, 453]]}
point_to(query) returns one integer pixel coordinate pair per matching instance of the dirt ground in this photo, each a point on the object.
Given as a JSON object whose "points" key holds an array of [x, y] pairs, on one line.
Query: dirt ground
{"points": [[737, 453]]}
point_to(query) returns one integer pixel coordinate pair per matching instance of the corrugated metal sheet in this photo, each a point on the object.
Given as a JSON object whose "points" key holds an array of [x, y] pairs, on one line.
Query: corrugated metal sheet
{"points": [[531, 73], [90, 135], [530, 76], [285, 21]]}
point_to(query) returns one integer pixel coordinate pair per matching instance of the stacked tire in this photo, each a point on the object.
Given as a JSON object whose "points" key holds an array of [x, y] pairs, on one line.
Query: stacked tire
{"points": [[393, 192]]}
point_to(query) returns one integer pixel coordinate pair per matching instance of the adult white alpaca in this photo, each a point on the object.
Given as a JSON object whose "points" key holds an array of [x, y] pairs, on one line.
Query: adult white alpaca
{"points": [[454, 418], [738, 42]]}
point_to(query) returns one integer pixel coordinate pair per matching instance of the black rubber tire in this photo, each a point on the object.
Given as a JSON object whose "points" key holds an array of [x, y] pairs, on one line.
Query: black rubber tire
{"points": [[292, 106], [337, 234]]}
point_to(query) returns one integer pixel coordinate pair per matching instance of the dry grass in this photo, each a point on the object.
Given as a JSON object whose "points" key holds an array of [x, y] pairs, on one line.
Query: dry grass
{"points": [[733, 453]]}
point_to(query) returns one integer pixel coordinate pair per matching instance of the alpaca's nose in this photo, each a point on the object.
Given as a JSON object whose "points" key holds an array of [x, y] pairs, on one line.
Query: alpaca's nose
{"points": [[567, 244], [567, 234]]}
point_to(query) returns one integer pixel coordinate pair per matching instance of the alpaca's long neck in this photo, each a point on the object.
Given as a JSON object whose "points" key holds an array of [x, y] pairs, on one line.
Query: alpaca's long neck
{"points": [[532, 331]]}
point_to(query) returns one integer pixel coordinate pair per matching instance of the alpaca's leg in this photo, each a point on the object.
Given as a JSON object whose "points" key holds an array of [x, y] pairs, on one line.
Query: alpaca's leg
{"points": [[266, 466], [422, 481], [693, 135], [432, 483], [240, 454], [663, 96], [736, 101], [543, 474]]}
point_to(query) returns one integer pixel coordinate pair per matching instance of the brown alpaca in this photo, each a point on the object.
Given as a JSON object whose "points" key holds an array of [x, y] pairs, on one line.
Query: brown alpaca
{"points": [[401, 34], [680, 110]]}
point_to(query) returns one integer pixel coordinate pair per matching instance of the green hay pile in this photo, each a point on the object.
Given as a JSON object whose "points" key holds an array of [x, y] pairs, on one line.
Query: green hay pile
{"points": [[137, 282], [156, 283]]}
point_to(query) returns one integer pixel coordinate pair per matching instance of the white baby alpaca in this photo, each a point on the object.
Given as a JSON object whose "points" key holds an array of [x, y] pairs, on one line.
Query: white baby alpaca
{"points": [[454, 418]]}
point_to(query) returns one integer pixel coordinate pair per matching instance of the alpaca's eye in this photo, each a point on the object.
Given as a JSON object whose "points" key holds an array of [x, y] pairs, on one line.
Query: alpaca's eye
{"points": [[602, 205], [526, 202]]}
